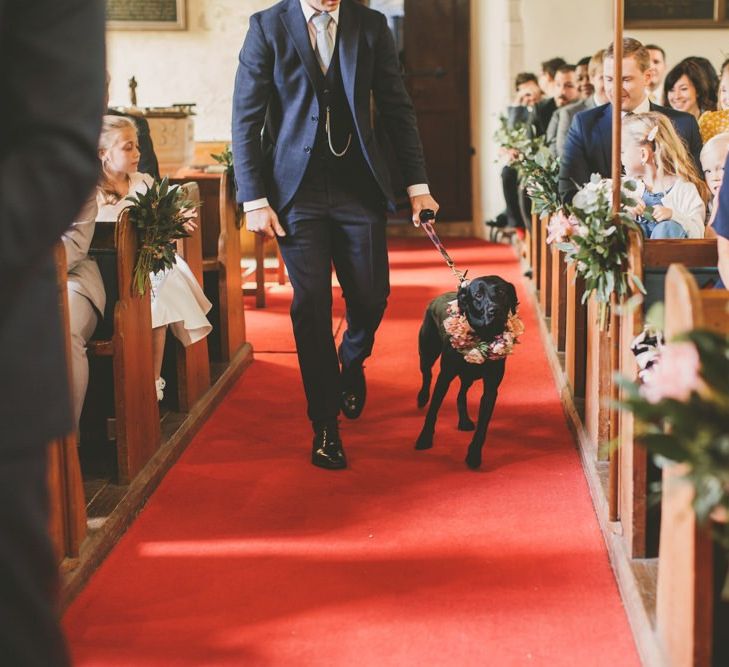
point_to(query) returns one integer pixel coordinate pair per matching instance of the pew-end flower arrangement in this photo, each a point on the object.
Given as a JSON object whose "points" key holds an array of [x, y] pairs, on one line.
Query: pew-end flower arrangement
{"points": [[596, 241], [160, 215], [538, 169], [683, 410]]}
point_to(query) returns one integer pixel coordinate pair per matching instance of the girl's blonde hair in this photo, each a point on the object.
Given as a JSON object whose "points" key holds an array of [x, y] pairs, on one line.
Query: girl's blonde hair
{"points": [[672, 158], [111, 127]]}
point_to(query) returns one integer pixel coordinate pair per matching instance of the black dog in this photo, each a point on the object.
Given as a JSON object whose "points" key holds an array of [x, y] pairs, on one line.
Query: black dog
{"points": [[487, 303]]}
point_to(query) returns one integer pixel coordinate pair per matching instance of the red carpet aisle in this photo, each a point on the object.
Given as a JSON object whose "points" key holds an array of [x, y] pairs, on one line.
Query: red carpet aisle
{"points": [[248, 555]]}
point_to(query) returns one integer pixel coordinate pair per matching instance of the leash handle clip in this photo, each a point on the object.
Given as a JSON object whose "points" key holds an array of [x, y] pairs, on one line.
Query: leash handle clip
{"points": [[427, 216]]}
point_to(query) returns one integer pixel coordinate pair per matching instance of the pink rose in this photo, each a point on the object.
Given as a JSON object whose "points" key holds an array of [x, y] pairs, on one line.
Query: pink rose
{"points": [[675, 374], [560, 227], [474, 356]]}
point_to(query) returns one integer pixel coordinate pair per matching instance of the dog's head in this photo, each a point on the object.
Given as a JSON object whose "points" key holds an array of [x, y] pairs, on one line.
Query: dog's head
{"points": [[487, 303]]}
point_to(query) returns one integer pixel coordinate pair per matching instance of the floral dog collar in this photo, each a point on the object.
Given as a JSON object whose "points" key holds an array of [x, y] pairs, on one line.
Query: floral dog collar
{"points": [[464, 339]]}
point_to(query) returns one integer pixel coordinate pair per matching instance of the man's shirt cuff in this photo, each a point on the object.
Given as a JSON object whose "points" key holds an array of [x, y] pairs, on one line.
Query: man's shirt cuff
{"points": [[249, 206], [418, 189]]}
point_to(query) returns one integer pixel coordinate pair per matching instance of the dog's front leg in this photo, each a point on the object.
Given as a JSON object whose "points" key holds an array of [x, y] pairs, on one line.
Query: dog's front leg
{"points": [[425, 439], [485, 410], [465, 423]]}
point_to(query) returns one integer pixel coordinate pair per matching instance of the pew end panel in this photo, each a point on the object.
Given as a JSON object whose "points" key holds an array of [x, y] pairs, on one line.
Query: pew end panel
{"points": [[686, 588], [640, 526], [67, 521], [193, 364]]}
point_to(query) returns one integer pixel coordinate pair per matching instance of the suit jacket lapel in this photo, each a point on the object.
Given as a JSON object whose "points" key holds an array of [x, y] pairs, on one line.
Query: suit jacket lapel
{"points": [[606, 138], [295, 24], [348, 47]]}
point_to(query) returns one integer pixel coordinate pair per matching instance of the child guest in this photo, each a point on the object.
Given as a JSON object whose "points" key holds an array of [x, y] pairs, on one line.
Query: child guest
{"points": [[178, 301], [672, 193]]}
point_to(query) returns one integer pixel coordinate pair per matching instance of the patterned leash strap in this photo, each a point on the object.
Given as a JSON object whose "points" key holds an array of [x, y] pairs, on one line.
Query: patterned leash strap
{"points": [[427, 215]]}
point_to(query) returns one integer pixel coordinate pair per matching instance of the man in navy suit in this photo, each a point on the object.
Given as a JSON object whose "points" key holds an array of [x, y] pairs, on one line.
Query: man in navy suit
{"points": [[588, 148], [310, 172], [52, 83]]}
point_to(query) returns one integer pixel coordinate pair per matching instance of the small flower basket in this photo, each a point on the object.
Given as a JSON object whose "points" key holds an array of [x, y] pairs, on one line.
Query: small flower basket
{"points": [[161, 216], [596, 241]]}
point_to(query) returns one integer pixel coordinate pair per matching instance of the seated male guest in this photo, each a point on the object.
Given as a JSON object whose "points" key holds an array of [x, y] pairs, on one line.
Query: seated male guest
{"points": [[590, 101], [588, 148], [658, 72], [86, 298], [565, 88]]}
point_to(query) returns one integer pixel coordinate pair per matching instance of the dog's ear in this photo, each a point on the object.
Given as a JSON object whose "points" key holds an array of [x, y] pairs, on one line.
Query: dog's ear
{"points": [[463, 297], [514, 302]]}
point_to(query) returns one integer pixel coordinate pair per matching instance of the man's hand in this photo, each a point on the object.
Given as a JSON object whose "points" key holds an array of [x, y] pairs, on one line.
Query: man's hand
{"points": [[420, 202], [264, 221]]}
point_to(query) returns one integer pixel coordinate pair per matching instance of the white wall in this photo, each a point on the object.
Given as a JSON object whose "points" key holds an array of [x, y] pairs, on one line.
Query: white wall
{"points": [[195, 65], [584, 26]]}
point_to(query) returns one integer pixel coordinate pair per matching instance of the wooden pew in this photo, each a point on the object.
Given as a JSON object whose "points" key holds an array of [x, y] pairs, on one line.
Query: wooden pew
{"points": [[535, 246], [545, 269], [647, 260], [685, 590], [221, 259], [575, 346], [558, 305], [193, 364], [125, 335], [67, 524]]}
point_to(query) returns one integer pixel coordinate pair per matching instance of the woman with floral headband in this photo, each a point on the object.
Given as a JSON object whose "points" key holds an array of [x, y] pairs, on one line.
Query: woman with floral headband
{"points": [[672, 194]]}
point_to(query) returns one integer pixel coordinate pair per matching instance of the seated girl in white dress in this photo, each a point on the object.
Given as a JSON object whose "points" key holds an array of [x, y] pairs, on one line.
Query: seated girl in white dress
{"points": [[178, 301]]}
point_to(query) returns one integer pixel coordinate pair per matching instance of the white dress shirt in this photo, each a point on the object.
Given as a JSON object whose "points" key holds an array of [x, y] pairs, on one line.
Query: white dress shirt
{"points": [[309, 13], [643, 107]]}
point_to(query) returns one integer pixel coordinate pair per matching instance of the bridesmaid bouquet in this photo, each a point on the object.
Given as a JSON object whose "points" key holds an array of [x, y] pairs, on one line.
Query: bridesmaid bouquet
{"points": [[161, 215]]}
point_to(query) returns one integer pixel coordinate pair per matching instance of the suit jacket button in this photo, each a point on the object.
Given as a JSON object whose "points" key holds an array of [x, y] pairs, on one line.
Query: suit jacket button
{"points": [[315, 118], [307, 149]]}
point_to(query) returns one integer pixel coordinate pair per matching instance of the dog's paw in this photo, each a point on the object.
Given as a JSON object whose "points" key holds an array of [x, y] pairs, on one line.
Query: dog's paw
{"points": [[466, 424], [423, 397], [424, 441], [473, 459]]}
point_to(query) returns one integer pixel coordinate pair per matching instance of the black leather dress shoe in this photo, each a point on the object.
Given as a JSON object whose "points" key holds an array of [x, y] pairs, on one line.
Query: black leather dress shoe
{"points": [[326, 450], [354, 391]]}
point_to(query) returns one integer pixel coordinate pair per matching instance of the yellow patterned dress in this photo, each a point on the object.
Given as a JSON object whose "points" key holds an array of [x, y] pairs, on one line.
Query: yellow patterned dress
{"points": [[712, 123]]}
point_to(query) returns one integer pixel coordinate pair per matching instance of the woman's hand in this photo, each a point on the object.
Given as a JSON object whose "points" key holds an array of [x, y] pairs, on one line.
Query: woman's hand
{"points": [[638, 209], [662, 213]]}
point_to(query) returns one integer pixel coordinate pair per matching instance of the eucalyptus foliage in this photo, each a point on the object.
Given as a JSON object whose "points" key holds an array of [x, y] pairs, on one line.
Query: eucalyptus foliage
{"points": [[159, 216], [538, 169]]}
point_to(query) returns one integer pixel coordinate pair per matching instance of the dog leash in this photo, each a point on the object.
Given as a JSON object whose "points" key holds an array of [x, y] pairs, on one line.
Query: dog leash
{"points": [[426, 217]]}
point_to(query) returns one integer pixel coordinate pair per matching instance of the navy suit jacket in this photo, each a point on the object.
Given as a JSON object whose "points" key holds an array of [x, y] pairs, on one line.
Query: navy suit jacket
{"points": [[275, 93], [588, 149], [52, 78]]}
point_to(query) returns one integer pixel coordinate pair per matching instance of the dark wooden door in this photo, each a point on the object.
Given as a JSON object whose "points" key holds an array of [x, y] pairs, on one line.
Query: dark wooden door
{"points": [[433, 38]]}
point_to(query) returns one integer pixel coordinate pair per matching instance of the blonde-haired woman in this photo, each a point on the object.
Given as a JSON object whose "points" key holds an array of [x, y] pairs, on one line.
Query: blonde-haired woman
{"points": [[670, 188]]}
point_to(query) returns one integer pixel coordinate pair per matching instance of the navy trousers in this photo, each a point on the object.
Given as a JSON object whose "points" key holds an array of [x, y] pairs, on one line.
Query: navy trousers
{"points": [[30, 634], [337, 218]]}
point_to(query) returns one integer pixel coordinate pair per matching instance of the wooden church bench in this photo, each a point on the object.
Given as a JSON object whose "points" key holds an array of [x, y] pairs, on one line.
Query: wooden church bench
{"points": [[649, 261], [686, 592], [193, 364], [67, 522], [575, 345], [545, 269], [221, 260], [125, 335], [558, 301]]}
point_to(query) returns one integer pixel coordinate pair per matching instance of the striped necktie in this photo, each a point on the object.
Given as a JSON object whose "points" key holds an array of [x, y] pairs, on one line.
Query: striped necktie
{"points": [[324, 42]]}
